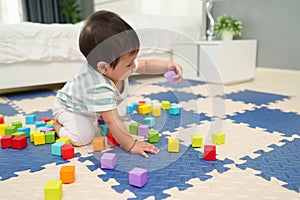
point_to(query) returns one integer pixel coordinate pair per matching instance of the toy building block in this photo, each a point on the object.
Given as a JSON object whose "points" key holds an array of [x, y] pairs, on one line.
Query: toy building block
{"points": [[135, 105], [1, 119], [45, 119], [153, 136], [143, 130], [174, 110], [50, 122], [39, 138], [156, 111], [49, 125], [129, 109], [209, 152], [6, 141], [40, 124], [46, 129], [10, 130], [169, 75], [56, 148], [67, 174], [67, 151], [139, 105], [32, 132], [173, 145], [17, 124], [144, 109], [101, 120], [111, 140], [150, 121], [196, 140], [104, 129], [30, 119], [218, 138], [50, 137], [19, 142], [2, 129], [133, 128], [138, 177], [99, 144], [108, 161], [18, 133], [165, 105], [53, 190], [66, 140], [25, 129]]}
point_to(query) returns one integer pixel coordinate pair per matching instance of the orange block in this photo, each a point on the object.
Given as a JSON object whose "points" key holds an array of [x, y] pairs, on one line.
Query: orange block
{"points": [[99, 144], [67, 174]]}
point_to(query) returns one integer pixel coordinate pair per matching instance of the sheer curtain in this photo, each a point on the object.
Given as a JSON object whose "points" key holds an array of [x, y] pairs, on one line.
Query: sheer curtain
{"points": [[10, 11]]}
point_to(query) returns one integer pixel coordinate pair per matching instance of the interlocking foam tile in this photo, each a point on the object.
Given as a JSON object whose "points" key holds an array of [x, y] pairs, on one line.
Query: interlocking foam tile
{"points": [[283, 163], [254, 97], [173, 96], [8, 110], [165, 170], [167, 122], [183, 84], [29, 94], [287, 123], [31, 158]]}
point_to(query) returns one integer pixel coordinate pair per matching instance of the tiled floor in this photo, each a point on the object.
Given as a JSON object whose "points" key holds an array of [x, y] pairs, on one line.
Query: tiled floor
{"points": [[259, 160]]}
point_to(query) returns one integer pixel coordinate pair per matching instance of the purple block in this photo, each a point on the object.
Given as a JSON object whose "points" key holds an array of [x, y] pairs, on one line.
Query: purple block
{"points": [[108, 161], [170, 76], [143, 130], [101, 121], [138, 177], [47, 129]]}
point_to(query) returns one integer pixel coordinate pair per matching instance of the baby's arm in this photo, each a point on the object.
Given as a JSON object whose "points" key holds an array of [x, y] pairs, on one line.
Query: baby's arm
{"points": [[122, 136]]}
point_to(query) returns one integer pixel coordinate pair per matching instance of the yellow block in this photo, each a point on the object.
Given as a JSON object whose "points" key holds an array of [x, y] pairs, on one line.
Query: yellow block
{"points": [[66, 140], [173, 145], [156, 111], [39, 138], [32, 132], [218, 138], [196, 140], [144, 109], [53, 190], [50, 122], [165, 105], [2, 127]]}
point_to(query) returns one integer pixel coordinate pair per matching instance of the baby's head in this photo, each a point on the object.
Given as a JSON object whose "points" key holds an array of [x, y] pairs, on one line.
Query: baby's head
{"points": [[105, 38]]}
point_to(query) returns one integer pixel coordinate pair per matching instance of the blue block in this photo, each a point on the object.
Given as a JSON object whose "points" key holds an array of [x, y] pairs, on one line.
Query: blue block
{"points": [[49, 126], [135, 105], [25, 129], [174, 110], [104, 129], [40, 128], [40, 124], [129, 109], [56, 148], [30, 119], [149, 121]]}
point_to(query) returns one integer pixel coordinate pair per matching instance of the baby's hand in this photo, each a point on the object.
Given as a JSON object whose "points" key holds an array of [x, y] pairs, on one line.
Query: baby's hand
{"points": [[143, 147], [178, 69]]}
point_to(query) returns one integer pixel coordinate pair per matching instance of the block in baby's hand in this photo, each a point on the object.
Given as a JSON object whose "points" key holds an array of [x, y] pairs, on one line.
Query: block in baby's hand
{"points": [[138, 177], [108, 161], [170, 76]]}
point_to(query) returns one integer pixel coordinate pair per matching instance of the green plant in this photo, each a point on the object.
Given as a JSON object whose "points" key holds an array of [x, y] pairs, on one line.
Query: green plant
{"points": [[71, 10], [228, 23]]}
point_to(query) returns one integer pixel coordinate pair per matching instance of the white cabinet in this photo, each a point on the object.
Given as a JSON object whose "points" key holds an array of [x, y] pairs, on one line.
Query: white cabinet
{"points": [[217, 61]]}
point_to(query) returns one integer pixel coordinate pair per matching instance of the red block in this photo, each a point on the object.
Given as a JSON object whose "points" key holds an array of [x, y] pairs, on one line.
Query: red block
{"points": [[45, 119], [111, 140], [209, 152], [1, 119], [6, 141], [67, 151], [19, 142]]}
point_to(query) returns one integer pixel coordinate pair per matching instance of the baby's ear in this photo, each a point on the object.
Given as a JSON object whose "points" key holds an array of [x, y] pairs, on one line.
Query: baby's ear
{"points": [[102, 67]]}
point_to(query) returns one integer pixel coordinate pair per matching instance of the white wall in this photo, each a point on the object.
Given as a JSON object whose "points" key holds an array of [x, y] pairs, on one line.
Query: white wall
{"points": [[9, 11]]}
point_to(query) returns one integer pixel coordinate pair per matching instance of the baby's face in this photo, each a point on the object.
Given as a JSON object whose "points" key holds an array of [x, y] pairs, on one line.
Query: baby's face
{"points": [[124, 68]]}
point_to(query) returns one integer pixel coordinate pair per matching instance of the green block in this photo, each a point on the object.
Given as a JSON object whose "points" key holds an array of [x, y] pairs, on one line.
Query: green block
{"points": [[133, 128], [15, 134], [153, 136], [218, 138], [196, 140], [10, 130], [50, 137], [17, 124], [53, 190]]}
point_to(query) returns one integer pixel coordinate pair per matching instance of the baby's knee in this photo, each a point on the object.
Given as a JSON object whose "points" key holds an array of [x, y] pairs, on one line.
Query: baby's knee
{"points": [[77, 138]]}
